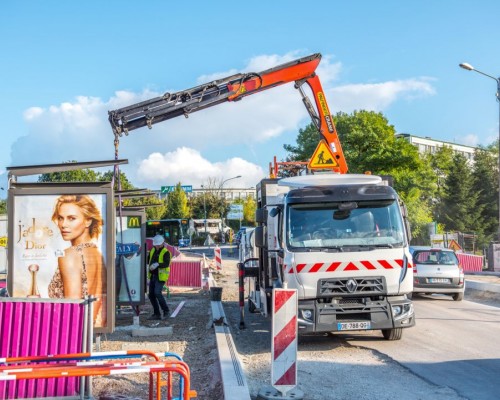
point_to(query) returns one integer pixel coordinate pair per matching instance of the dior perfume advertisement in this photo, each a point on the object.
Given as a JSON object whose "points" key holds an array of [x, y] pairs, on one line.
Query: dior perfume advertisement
{"points": [[59, 249]]}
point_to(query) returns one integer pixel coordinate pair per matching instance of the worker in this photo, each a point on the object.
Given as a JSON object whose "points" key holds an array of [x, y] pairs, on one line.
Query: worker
{"points": [[159, 271]]}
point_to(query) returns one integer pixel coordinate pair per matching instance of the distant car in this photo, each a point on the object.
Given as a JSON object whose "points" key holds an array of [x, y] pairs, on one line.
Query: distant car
{"points": [[237, 237], [437, 270]]}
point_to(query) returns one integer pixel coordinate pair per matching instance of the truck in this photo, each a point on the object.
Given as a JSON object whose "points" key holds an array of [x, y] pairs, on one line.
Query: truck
{"points": [[341, 240]]}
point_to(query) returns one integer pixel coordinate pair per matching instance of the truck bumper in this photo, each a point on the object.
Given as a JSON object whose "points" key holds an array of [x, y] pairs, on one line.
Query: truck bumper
{"points": [[382, 313]]}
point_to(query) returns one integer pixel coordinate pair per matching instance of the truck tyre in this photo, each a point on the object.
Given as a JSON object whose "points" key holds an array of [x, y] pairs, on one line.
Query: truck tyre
{"points": [[458, 296], [392, 334]]}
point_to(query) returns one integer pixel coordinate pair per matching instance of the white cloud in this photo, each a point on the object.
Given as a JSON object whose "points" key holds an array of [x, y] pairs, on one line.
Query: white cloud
{"points": [[379, 96], [204, 145], [187, 166]]}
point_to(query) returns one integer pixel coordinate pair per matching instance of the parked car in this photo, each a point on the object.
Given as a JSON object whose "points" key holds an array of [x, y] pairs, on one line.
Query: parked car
{"points": [[237, 237], [437, 270]]}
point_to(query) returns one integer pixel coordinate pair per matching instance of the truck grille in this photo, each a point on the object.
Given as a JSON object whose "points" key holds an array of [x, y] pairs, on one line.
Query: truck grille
{"points": [[351, 286]]}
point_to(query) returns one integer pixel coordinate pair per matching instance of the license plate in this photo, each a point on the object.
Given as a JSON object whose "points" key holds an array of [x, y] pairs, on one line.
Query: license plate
{"points": [[439, 280], [350, 326]]}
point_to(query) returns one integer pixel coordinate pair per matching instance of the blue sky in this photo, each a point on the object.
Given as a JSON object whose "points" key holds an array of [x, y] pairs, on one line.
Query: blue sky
{"points": [[64, 64]]}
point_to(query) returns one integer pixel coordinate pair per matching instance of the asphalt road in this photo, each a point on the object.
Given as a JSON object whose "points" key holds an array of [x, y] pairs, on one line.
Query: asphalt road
{"points": [[451, 353]]}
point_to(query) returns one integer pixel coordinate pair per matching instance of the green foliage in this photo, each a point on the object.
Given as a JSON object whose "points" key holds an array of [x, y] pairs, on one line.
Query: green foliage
{"points": [[249, 207], [307, 140], [369, 144], [125, 184], [157, 209], [79, 175], [3, 206], [459, 209], [485, 185], [177, 203]]}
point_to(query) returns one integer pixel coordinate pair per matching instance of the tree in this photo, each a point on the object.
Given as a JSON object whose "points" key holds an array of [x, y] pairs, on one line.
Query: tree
{"points": [[249, 207], [460, 210], [307, 140], [485, 185], [369, 144], [109, 176], [177, 203], [3, 206], [79, 175]]}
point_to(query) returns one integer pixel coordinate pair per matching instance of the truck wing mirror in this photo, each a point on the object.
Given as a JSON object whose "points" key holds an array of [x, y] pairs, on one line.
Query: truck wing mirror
{"points": [[261, 215], [274, 212], [259, 236]]}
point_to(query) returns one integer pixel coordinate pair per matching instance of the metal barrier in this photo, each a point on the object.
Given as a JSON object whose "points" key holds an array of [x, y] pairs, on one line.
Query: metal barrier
{"points": [[185, 273], [33, 326], [93, 364]]}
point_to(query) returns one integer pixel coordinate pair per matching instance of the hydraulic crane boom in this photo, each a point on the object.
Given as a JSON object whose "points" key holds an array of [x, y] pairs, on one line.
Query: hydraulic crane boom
{"points": [[233, 88]]}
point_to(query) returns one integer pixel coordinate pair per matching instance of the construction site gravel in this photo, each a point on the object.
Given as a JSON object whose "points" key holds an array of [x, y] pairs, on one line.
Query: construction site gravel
{"points": [[351, 371]]}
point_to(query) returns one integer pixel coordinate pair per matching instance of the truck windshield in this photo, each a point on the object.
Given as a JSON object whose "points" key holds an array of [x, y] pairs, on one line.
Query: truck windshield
{"points": [[324, 226]]}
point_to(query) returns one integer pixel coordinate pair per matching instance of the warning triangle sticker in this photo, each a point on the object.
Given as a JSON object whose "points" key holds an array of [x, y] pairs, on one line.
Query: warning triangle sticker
{"points": [[322, 157]]}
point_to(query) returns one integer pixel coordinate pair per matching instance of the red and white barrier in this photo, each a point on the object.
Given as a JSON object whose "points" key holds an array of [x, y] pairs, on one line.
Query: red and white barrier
{"points": [[185, 273], [218, 258], [470, 262], [284, 346]]}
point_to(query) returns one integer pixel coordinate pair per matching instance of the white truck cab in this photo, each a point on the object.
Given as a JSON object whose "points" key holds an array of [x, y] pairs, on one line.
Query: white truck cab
{"points": [[343, 242]]}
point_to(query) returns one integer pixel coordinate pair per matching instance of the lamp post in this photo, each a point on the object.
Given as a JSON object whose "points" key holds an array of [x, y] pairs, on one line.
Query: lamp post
{"points": [[469, 67], [223, 205], [204, 209]]}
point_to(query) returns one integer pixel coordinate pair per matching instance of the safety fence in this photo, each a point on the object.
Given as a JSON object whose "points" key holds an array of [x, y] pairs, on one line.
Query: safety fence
{"points": [[79, 365], [185, 273], [33, 327], [470, 262]]}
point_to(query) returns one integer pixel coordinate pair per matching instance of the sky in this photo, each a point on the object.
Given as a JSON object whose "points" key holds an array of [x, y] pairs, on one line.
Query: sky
{"points": [[65, 64]]}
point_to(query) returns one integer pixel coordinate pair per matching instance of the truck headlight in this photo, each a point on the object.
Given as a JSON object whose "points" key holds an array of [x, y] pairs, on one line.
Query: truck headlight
{"points": [[402, 310], [307, 314]]}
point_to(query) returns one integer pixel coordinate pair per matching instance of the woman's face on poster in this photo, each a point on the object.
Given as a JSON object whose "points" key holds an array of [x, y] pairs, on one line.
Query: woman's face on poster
{"points": [[71, 221]]}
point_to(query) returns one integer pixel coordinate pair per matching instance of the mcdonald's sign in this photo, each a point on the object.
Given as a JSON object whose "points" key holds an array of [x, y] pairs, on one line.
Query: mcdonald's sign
{"points": [[133, 222]]}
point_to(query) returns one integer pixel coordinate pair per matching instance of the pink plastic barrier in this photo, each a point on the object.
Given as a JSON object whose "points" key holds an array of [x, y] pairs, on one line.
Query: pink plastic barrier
{"points": [[30, 327], [470, 263], [185, 274]]}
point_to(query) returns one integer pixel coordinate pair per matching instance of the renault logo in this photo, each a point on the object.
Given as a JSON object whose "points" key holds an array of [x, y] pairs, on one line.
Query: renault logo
{"points": [[351, 285]]}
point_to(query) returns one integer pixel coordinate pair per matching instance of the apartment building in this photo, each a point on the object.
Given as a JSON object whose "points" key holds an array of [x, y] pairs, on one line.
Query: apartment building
{"points": [[428, 145]]}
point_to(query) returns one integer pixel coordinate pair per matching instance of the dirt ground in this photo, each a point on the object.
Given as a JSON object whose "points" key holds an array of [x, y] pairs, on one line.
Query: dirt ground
{"points": [[192, 338]]}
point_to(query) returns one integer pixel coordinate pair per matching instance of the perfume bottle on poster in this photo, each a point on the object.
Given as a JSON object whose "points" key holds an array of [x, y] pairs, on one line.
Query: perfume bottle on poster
{"points": [[33, 292]]}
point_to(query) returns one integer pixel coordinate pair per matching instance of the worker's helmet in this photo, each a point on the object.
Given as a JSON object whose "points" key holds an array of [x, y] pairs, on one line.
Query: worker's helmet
{"points": [[158, 240]]}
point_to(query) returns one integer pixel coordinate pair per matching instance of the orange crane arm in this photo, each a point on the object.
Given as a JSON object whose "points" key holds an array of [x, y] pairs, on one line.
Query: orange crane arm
{"points": [[233, 88]]}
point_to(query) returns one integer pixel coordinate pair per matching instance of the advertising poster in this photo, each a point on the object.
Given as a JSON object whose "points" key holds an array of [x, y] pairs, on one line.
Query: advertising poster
{"points": [[59, 249], [129, 259]]}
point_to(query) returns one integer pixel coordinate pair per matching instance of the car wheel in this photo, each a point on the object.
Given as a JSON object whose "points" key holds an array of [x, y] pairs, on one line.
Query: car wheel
{"points": [[392, 334], [458, 296]]}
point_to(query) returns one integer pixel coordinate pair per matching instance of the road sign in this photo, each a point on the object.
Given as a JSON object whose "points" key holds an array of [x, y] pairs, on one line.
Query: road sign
{"points": [[169, 189], [235, 212], [323, 157]]}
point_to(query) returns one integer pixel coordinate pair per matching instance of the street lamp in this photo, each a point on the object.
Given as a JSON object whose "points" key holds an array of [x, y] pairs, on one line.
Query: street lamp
{"points": [[205, 210], [469, 67], [223, 205]]}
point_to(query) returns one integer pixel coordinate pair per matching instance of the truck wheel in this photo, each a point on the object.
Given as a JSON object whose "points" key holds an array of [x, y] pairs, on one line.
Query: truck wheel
{"points": [[458, 296], [392, 334]]}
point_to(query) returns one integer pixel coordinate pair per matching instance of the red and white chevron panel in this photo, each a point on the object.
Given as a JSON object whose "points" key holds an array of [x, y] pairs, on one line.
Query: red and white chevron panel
{"points": [[470, 262], [218, 257], [362, 265], [284, 347]]}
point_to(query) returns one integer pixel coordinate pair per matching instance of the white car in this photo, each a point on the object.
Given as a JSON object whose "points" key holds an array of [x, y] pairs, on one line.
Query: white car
{"points": [[437, 270]]}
